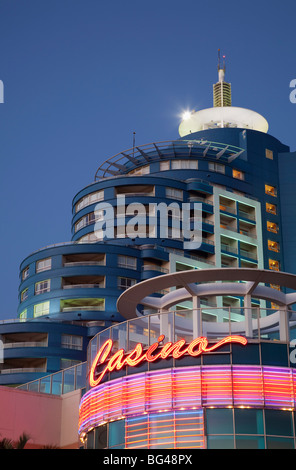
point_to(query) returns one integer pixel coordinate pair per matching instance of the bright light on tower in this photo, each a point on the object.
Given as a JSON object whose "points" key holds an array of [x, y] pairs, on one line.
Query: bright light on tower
{"points": [[186, 115]]}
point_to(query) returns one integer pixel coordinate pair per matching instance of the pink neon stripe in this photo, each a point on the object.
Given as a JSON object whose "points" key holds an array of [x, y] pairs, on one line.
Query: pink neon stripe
{"points": [[188, 387]]}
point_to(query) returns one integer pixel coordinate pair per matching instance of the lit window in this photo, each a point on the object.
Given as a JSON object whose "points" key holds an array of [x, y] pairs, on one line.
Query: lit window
{"points": [[173, 193], [41, 287], [271, 190], [127, 262], [238, 174], [271, 208], [274, 265], [273, 246], [125, 282], [272, 227], [269, 154], [41, 309], [24, 295], [72, 342], [218, 167], [25, 273], [23, 315], [274, 306], [43, 265], [275, 286]]}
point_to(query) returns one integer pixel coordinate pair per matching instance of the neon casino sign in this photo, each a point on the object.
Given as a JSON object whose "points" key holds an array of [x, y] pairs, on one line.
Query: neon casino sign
{"points": [[155, 352]]}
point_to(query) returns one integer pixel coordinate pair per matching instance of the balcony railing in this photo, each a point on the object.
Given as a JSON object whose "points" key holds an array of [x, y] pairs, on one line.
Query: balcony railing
{"points": [[26, 344], [246, 215], [22, 370], [85, 263], [154, 268], [83, 286], [248, 254], [88, 307]]}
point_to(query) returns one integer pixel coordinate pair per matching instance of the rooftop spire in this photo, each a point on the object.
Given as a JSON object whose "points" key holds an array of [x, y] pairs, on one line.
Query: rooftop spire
{"points": [[222, 89]]}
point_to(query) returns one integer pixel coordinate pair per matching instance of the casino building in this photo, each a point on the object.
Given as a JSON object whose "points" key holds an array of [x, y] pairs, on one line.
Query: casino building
{"points": [[175, 295]]}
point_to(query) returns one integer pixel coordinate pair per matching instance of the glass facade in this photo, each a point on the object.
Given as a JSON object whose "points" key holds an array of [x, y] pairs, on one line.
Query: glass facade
{"points": [[219, 428]]}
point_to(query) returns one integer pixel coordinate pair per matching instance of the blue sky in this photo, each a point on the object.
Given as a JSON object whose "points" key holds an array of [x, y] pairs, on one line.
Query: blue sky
{"points": [[80, 76]]}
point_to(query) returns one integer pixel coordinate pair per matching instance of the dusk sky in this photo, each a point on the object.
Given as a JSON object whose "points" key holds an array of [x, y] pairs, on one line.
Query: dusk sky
{"points": [[80, 76]]}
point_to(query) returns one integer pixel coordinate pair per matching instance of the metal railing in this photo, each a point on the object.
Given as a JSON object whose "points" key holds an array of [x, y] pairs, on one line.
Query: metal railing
{"points": [[59, 383]]}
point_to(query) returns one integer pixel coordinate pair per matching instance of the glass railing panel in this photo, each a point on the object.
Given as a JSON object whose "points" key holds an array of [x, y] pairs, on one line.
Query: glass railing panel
{"points": [[81, 371], [69, 380], [45, 384], [57, 383]]}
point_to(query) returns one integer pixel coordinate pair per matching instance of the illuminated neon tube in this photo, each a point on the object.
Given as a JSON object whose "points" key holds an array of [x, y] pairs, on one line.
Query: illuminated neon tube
{"points": [[176, 350], [190, 388]]}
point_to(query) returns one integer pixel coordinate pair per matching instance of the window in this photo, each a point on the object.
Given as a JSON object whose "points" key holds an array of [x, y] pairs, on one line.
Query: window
{"points": [[87, 220], [278, 423], [238, 174], [23, 315], [272, 227], [271, 190], [43, 265], [274, 265], [89, 199], [127, 262], [275, 286], [164, 165], [72, 342], [184, 164], [248, 421], [65, 364], [41, 287], [41, 309], [24, 295], [271, 208], [143, 170], [218, 167], [173, 193], [269, 154], [219, 421], [273, 246], [90, 238], [125, 282], [25, 273]]}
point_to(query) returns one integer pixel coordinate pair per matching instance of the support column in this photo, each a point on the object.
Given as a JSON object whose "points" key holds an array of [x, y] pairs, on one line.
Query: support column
{"points": [[248, 316], [196, 317], [165, 326], [284, 325]]}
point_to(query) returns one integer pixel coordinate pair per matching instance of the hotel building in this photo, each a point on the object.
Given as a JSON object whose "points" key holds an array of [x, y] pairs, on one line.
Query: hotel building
{"points": [[119, 311]]}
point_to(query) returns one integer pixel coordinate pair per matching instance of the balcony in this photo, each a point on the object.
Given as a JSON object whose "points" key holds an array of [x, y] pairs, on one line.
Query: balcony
{"points": [[72, 305], [83, 282], [85, 259], [248, 254], [152, 267]]}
